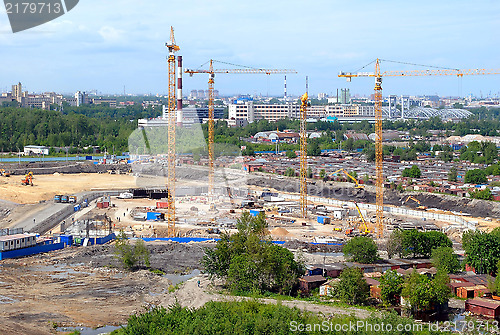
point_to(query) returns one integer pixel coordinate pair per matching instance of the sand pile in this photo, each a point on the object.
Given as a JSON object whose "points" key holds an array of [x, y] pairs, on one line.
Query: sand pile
{"points": [[279, 232]]}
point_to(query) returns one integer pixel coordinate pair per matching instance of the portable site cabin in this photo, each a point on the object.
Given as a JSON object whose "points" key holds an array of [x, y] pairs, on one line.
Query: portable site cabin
{"points": [[18, 241]]}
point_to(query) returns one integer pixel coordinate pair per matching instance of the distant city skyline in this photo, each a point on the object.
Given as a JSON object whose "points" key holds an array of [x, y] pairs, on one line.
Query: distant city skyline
{"points": [[105, 46]]}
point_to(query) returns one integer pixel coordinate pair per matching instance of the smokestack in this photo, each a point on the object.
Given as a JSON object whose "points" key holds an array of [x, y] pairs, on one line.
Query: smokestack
{"points": [[285, 88], [179, 91]]}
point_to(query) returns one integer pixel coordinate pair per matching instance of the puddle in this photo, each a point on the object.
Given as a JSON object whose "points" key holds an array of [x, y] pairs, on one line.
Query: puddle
{"points": [[88, 330], [176, 279], [62, 271], [6, 300]]}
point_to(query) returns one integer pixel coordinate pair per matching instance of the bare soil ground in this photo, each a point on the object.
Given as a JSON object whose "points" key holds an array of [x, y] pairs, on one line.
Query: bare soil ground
{"points": [[46, 186], [81, 287]]}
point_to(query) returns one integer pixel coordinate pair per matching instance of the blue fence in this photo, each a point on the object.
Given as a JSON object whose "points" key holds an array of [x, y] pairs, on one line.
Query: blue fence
{"points": [[99, 240], [205, 239], [31, 250]]}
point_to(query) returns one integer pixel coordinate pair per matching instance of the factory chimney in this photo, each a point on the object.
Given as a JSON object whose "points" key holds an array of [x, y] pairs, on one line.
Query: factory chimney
{"points": [[179, 91]]}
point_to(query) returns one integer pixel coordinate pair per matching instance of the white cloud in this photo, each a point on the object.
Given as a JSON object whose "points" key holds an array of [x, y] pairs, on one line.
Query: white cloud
{"points": [[110, 34]]}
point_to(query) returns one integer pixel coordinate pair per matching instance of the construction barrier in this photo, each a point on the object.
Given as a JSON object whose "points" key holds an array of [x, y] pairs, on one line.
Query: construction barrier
{"points": [[31, 250]]}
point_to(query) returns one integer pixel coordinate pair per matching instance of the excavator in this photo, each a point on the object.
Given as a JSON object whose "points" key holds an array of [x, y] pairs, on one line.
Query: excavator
{"points": [[365, 231], [416, 200], [28, 179], [348, 175]]}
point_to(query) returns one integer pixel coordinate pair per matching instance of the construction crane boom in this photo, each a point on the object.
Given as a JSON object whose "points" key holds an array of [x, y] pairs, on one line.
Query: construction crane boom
{"points": [[172, 48], [365, 225], [423, 73], [211, 96]]}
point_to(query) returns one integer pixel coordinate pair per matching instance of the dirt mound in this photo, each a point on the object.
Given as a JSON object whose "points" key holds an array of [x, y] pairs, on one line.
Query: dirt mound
{"points": [[169, 257], [279, 232], [299, 245]]}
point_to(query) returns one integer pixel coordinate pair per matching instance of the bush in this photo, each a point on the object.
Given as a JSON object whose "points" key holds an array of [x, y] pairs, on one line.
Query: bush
{"points": [[131, 255]]}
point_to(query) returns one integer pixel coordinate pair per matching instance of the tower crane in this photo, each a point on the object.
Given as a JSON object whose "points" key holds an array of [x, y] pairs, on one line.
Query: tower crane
{"points": [[304, 103], [378, 116], [172, 48], [211, 80]]}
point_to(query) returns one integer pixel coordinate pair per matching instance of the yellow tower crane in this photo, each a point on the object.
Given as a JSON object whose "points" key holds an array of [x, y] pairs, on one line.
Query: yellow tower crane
{"points": [[304, 103], [211, 79], [378, 116], [172, 48]]}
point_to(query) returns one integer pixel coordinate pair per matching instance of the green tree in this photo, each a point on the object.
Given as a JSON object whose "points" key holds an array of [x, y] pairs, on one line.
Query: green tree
{"points": [[446, 156], [482, 251], [413, 172], [481, 194], [395, 243], [250, 262], [309, 172], [444, 259], [313, 149], [322, 174], [476, 176], [352, 287], [361, 249], [291, 154], [391, 285], [452, 174], [131, 255], [290, 172], [421, 244], [423, 293]]}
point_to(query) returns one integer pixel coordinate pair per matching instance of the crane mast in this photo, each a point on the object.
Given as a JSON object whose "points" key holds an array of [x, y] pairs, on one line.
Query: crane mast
{"points": [[379, 155], [211, 97], [172, 48], [303, 155]]}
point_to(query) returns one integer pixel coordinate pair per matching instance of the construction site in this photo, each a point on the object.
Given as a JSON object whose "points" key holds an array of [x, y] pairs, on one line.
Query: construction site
{"points": [[179, 207]]}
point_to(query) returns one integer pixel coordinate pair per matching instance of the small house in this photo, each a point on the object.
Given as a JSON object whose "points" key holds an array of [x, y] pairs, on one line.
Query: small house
{"points": [[309, 283]]}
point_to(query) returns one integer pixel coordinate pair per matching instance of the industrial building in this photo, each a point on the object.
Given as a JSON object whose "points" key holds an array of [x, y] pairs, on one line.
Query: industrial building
{"points": [[35, 150], [273, 112]]}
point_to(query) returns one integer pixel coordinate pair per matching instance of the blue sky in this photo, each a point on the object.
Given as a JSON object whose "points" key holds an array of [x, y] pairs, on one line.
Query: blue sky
{"points": [[105, 45]]}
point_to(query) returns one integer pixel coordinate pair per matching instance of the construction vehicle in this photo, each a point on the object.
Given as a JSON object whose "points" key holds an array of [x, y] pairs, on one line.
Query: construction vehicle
{"points": [[348, 175], [28, 179], [416, 200], [365, 231], [72, 199], [4, 173]]}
